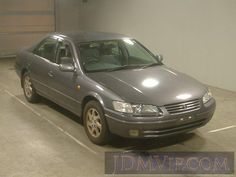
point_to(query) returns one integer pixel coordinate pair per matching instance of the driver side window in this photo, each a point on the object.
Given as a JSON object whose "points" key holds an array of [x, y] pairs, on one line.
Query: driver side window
{"points": [[64, 55]]}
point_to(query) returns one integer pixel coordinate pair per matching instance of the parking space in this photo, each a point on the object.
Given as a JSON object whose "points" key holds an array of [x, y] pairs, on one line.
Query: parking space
{"points": [[46, 140]]}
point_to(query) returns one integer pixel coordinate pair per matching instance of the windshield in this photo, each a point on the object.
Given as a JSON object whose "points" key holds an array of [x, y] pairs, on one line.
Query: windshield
{"points": [[114, 55]]}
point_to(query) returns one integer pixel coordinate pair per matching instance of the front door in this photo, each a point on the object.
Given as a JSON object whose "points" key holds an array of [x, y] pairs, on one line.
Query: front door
{"points": [[64, 82]]}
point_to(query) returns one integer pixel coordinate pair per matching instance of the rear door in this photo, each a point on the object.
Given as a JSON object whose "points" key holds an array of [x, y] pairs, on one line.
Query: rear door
{"points": [[44, 56]]}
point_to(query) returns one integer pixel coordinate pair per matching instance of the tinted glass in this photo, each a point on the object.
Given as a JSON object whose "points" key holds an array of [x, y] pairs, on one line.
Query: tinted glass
{"points": [[47, 49], [138, 54], [64, 53], [114, 54]]}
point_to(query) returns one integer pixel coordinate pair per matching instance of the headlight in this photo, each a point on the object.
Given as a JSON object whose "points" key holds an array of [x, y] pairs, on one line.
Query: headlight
{"points": [[122, 107], [137, 109], [207, 96]]}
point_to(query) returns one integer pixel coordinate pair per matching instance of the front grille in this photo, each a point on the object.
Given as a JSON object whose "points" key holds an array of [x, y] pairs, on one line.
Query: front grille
{"points": [[183, 107]]}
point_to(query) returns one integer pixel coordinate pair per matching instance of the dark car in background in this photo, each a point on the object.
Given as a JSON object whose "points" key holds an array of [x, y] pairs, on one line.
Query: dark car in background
{"points": [[114, 84]]}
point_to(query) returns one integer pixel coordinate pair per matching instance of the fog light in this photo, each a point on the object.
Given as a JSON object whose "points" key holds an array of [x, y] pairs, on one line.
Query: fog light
{"points": [[133, 132]]}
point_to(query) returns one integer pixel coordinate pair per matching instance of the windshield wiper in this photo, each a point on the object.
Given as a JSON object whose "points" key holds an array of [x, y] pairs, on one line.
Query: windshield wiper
{"points": [[149, 65], [123, 67]]}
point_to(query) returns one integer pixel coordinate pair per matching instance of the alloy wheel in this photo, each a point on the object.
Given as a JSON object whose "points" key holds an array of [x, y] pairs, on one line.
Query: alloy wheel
{"points": [[94, 124], [28, 87]]}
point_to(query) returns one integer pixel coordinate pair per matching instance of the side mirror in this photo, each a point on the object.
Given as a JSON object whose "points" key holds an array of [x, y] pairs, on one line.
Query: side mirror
{"points": [[159, 57], [67, 67]]}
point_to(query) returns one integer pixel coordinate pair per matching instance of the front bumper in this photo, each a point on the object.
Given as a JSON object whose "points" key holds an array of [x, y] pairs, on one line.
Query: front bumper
{"points": [[158, 127]]}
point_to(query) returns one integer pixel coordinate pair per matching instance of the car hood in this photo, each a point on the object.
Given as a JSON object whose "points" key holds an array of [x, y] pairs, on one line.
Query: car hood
{"points": [[157, 85]]}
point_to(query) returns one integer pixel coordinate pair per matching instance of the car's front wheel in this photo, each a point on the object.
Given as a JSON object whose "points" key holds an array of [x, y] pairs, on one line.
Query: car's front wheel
{"points": [[95, 123], [29, 90]]}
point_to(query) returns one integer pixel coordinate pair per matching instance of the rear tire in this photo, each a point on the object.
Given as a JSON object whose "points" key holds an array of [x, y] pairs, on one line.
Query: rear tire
{"points": [[28, 88], [95, 124]]}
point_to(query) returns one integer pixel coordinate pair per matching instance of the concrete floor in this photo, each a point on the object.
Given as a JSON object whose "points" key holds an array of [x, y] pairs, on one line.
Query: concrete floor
{"points": [[45, 140]]}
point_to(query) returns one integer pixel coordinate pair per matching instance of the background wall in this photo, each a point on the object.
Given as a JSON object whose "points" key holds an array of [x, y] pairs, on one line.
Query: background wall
{"points": [[24, 22], [197, 37], [67, 15]]}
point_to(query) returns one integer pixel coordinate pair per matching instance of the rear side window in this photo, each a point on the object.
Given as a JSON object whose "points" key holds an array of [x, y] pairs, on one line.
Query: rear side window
{"points": [[47, 49]]}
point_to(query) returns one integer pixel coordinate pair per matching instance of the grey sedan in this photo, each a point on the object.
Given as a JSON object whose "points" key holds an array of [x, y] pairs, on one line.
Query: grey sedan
{"points": [[115, 84]]}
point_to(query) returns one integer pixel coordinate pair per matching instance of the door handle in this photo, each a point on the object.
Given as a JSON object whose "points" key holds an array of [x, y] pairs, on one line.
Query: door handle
{"points": [[50, 74]]}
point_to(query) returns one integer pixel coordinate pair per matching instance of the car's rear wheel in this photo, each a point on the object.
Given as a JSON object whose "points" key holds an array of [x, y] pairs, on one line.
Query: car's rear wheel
{"points": [[29, 90], [95, 123]]}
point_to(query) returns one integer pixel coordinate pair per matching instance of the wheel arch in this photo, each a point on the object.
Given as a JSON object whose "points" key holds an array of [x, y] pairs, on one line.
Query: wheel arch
{"points": [[91, 96], [23, 71]]}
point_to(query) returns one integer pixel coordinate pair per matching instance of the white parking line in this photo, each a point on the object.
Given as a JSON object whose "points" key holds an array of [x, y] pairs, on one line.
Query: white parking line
{"points": [[220, 129], [50, 122]]}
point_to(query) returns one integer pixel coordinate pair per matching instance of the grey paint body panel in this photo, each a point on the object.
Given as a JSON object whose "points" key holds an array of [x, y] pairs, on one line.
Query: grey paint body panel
{"points": [[170, 84]]}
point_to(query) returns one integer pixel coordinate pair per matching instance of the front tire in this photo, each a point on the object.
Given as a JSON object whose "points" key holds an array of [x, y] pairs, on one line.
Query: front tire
{"points": [[29, 90], [95, 123]]}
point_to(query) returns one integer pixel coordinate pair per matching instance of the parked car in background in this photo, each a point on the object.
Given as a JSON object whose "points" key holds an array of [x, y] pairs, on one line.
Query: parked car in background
{"points": [[114, 84]]}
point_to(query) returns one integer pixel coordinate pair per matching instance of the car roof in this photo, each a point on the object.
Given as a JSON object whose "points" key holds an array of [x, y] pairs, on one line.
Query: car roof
{"points": [[85, 36]]}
